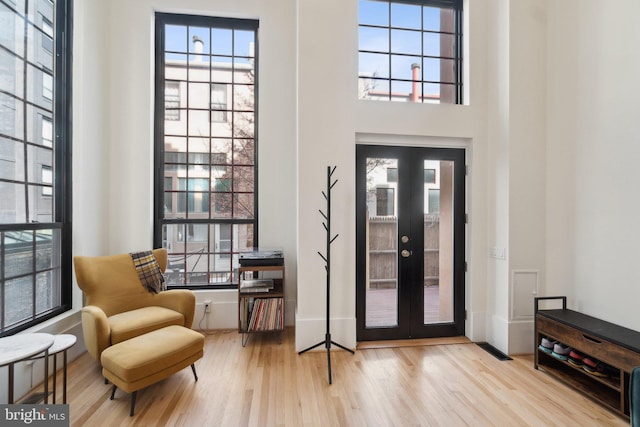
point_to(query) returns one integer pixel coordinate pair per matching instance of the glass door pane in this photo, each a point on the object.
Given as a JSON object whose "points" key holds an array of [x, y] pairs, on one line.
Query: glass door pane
{"points": [[382, 237], [438, 241]]}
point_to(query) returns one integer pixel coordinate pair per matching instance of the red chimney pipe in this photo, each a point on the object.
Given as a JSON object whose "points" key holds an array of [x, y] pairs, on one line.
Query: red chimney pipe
{"points": [[415, 68]]}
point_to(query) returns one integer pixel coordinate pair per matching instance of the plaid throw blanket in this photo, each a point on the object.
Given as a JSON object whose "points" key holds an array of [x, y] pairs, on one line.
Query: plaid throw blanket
{"points": [[148, 271]]}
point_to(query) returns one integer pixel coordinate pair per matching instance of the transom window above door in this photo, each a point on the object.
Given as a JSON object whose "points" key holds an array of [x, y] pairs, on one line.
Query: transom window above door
{"points": [[410, 51]]}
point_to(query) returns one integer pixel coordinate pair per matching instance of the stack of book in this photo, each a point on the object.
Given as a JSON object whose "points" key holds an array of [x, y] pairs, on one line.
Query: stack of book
{"points": [[256, 285]]}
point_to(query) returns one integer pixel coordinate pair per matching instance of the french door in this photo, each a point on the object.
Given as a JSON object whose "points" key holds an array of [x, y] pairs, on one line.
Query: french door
{"points": [[410, 227]]}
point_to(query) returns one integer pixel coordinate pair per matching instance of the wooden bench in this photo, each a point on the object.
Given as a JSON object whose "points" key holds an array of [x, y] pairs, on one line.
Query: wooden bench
{"points": [[136, 363], [617, 346]]}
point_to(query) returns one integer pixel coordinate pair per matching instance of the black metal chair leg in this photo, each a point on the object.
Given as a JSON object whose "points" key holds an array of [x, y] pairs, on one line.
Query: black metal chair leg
{"points": [[113, 392], [133, 402], [193, 368]]}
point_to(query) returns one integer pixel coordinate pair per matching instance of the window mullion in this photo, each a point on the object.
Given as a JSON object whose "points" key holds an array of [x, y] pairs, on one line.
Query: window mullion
{"points": [[34, 277], [233, 124], [390, 56], [25, 112], [210, 140], [3, 266], [458, 62]]}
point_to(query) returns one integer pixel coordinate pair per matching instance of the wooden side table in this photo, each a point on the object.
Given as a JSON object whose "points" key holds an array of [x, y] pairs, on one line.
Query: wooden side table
{"points": [[18, 348]]}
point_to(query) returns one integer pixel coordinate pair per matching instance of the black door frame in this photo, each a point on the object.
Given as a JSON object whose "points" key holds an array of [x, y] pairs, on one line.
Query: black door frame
{"points": [[410, 222]]}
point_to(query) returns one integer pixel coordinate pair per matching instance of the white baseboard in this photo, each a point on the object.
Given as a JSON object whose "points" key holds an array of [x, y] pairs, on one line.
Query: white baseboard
{"points": [[521, 337], [312, 331], [514, 337], [476, 326]]}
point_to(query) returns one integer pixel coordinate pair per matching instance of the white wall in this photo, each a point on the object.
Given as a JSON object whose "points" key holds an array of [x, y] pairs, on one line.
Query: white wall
{"points": [[551, 130], [517, 34], [527, 166], [593, 152], [326, 99], [309, 118], [498, 60], [562, 127], [330, 120], [130, 156]]}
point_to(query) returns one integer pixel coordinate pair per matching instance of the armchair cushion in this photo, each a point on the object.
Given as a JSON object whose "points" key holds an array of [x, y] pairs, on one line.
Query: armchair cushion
{"points": [[118, 307], [140, 321]]}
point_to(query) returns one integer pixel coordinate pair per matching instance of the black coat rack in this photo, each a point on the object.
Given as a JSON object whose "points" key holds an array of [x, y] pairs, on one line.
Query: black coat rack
{"points": [[327, 259]]}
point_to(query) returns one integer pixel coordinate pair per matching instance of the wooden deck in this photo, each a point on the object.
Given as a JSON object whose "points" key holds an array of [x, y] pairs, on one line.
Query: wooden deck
{"points": [[382, 306]]}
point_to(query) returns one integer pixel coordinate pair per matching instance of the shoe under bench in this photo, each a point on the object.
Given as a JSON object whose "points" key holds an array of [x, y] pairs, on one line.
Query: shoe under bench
{"points": [[612, 344]]}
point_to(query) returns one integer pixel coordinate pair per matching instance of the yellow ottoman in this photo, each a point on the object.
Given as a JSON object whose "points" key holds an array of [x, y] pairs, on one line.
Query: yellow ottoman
{"points": [[146, 359]]}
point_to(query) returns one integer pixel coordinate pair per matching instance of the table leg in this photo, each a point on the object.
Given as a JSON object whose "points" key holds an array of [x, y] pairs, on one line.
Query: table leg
{"points": [[64, 378], [55, 374], [46, 376], [10, 383]]}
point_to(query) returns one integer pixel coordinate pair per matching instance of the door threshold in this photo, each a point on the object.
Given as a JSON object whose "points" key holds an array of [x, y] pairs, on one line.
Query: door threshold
{"points": [[366, 345]]}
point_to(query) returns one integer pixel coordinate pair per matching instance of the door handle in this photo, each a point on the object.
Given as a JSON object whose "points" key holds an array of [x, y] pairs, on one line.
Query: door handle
{"points": [[405, 253]]}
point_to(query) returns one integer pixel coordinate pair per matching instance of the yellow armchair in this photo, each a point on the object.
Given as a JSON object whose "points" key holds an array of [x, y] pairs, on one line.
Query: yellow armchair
{"points": [[118, 307]]}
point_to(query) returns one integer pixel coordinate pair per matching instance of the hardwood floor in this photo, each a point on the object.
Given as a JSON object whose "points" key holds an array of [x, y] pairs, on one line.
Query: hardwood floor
{"points": [[267, 383]]}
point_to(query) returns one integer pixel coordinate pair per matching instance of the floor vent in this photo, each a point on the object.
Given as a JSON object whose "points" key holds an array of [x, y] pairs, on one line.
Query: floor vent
{"points": [[493, 351]]}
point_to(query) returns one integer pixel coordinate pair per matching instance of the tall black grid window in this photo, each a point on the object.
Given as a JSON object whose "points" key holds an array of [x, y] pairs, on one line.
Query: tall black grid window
{"points": [[35, 153], [205, 117], [410, 50]]}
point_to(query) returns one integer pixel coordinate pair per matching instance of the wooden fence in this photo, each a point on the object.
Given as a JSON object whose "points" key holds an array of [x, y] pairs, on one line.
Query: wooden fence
{"points": [[383, 248]]}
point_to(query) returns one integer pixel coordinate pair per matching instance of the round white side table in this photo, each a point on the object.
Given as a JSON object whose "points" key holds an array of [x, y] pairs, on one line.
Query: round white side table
{"points": [[17, 348]]}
